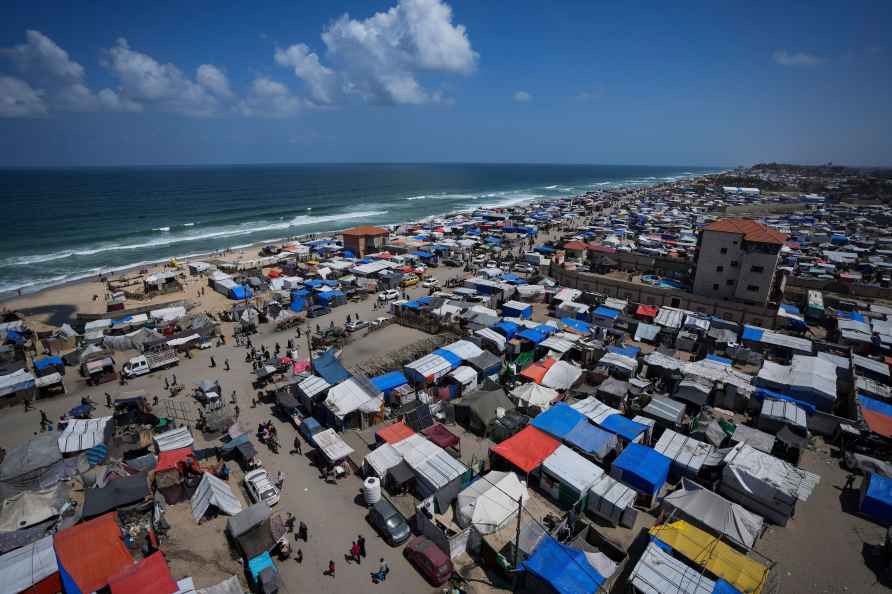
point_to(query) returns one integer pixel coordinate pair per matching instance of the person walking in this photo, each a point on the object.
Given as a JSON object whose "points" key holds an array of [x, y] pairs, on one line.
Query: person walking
{"points": [[331, 569], [280, 480], [226, 364], [297, 446], [354, 552], [233, 398], [213, 363], [302, 531], [299, 556], [108, 399], [360, 541], [850, 482], [289, 521], [237, 411]]}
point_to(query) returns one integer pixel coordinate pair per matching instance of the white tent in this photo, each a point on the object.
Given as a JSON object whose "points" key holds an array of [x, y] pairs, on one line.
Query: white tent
{"points": [[463, 349], [810, 378], [82, 434], [532, 394], [430, 367], [174, 439], [490, 502], [466, 376], [347, 397], [22, 568], [571, 469], [611, 500], [216, 492], [658, 572], [619, 362], [332, 445], [686, 453], [383, 458], [561, 376], [490, 335], [595, 410], [712, 512], [313, 385]]}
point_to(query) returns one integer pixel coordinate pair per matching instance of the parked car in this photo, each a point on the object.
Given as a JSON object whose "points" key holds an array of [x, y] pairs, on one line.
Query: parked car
{"points": [[261, 487], [389, 522], [430, 283], [429, 560], [318, 310], [354, 325], [379, 321], [409, 280], [452, 262], [389, 295]]}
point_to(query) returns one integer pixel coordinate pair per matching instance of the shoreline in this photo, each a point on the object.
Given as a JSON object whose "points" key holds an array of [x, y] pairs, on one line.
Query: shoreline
{"points": [[13, 295]]}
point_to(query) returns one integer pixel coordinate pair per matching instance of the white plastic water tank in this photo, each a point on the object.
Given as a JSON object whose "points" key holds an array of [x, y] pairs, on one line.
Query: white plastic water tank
{"points": [[500, 412], [371, 489]]}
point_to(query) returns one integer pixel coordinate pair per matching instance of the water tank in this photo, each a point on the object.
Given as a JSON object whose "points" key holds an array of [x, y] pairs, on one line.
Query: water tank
{"points": [[500, 412], [371, 489]]}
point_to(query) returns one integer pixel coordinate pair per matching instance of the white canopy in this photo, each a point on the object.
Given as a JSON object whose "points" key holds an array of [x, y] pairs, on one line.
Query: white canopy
{"points": [[464, 349], [430, 366], [216, 492], [532, 394], [561, 376], [572, 469], [347, 397], [332, 445], [490, 502], [594, 409], [313, 385], [383, 458], [174, 440]]}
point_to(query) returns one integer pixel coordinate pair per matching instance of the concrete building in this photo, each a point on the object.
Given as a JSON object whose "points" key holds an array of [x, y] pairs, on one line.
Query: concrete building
{"points": [[364, 240], [738, 261]]}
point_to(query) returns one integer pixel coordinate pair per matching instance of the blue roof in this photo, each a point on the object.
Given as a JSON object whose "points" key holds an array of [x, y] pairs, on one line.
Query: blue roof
{"points": [[566, 569], [643, 468], [417, 303], [301, 293], [45, 362], [123, 320], [423, 254], [877, 500], [329, 295], [577, 325], [389, 381], [329, 368], [762, 393], [722, 360], [558, 420], [851, 315], [546, 329], [259, 563], [348, 254], [606, 312], [624, 427], [790, 309], [509, 329], [313, 282], [453, 359], [591, 439], [752, 333], [532, 334], [626, 351], [874, 405]]}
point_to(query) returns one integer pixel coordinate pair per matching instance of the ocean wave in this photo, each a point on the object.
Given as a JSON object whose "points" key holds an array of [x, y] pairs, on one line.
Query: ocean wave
{"points": [[188, 224], [165, 229], [245, 229], [554, 187]]}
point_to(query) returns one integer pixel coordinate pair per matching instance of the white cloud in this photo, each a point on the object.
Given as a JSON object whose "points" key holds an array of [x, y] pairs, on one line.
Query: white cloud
{"points": [[322, 81], [19, 100], [522, 97], [785, 58], [270, 99], [114, 102], [380, 57], [214, 80], [143, 79], [41, 57]]}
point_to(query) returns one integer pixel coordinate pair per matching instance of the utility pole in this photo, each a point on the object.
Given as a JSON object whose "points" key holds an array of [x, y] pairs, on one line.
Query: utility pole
{"points": [[517, 544]]}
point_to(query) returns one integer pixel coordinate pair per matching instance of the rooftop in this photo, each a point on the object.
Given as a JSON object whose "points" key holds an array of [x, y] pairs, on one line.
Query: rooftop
{"points": [[751, 230], [365, 230]]}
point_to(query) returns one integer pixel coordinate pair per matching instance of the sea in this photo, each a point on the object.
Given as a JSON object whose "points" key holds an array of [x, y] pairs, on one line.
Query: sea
{"points": [[66, 224]]}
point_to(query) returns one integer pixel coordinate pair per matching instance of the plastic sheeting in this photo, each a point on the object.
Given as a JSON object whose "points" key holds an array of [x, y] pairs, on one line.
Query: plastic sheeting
{"points": [[572, 469], [490, 502], [713, 512], [642, 468], [347, 397], [150, 575], [174, 440], [83, 434], [566, 569], [609, 499], [28, 461], [686, 453], [876, 499], [811, 379], [382, 459], [527, 449], [90, 553], [561, 376], [534, 395], [658, 572], [332, 445], [31, 507], [24, 567], [216, 492]]}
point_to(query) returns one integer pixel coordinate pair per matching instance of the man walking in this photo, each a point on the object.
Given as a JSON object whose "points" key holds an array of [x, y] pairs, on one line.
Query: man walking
{"points": [[331, 569], [360, 542], [297, 446], [213, 363]]}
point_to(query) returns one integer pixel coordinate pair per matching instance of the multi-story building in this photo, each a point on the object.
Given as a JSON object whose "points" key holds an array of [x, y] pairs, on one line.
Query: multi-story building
{"points": [[364, 240], [737, 260]]}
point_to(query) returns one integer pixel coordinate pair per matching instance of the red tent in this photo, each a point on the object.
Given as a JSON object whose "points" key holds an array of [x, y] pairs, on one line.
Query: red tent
{"points": [[441, 436], [528, 449], [91, 553], [394, 433], [646, 311], [169, 459], [536, 371], [149, 576]]}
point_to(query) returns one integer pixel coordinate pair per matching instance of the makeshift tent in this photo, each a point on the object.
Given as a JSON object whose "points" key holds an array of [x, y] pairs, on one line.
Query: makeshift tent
{"points": [[527, 449], [383, 458], [31, 464], [658, 572], [148, 576], [565, 569], [428, 368], [90, 553], [612, 501], [561, 376], [216, 492], [329, 368], [441, 436], [687, 454], [351, 395], [704, 550], [478, 409], [876, 498], [567, 476], [395, 432], [389, 381], [642, 468], [174, 440], [30, 508], [436, 471], [877, 414], [492, 337], [534, 395], [119, 492], [83, 434], [517, 309], [710, 511], [32, 568], [575, 326], [490, 502], [812, 379], [331, 444], [624, 427], [255, 529]]}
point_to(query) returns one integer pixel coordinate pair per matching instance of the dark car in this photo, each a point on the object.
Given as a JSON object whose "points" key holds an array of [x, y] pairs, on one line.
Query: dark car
{"points": [[389, 522], [452, 262], [318, 310], [429, 560]]}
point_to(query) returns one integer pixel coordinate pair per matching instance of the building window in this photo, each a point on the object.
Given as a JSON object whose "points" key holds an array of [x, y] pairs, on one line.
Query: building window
{"points": [[734, 263], [752, 288], [715, 287], [719, 268], [757, 269], [730, 282], [724, 250]]}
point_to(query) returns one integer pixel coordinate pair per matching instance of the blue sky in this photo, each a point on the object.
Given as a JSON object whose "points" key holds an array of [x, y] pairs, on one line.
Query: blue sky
{"points": [[711, 83]]}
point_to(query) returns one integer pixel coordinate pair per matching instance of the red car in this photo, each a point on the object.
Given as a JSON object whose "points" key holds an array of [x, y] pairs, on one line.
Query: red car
{"points": [[429, 559]]}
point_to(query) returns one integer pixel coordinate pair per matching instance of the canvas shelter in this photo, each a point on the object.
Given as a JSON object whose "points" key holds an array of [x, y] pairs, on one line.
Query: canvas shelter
{"points": [[658, 572], [688, 455], [527, 449], [441, 436], [564, 569], [30, 508], [478, 409], [531, 394], [642, 468], [31, 464], [567, 476], [383, 458], [148, 576], [490, 502], [332, 445], [428, 368], [612, 501], [90, 553], [31, 568], [120, 492], [876, 498], [561, 376], [216, 492], [253, 531], [812, 379], [711, 512], [394, 432], [436, 471]]}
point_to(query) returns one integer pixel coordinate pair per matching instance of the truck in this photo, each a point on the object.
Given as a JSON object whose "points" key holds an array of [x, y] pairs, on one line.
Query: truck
{"points": [[150, 361]]}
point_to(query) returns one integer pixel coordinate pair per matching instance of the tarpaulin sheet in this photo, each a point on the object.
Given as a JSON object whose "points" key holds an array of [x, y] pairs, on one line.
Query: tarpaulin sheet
{"points": [[389, 381], [394, 433], [441, 436], [624, 427], [658, 572], [537, 371], [559, 420], [329, 368], [453, 359], [566, 569], [710, 510], [149, 576], [642, 468], [591, 439], [532, 335], [877, 500], [118, 492], [605, 312], [508, 329], [32, 507], [527, 449], [877, 415], [29, 565], [169, 459], [90, 553], [561, 375], [577, 326], [213, 491], [572, 469], [706, 550]]}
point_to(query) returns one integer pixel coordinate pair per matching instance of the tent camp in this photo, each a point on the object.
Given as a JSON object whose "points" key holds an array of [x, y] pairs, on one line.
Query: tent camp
{"points": [[642, 468], [687, 454], [712, 512], [812, 379], [32, 464], [561, 376], [658, 572], [534, 395], [117, 493], [566, 476], [490, 502], [436, 472], [612, 501], [527, 449], [90, 553], [216, 492], [478, 409], [565, 570], [570, 426]]}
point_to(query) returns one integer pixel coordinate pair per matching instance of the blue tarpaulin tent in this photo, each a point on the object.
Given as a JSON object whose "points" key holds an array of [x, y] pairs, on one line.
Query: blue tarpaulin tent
{"points": [[507, 329], [417, 303], [627, 351], [329, 368], [577, 325], [605, 312], [558, 420], [259, 563], [565, 569], [752, 333], [876, 502], [545, 329], [624, 427], [44, 362], [590, 439], [389, 381], [329, 297], [241, 292], [531, 334], [718, 359], [514, 309], [453, 359], [642, 468]]}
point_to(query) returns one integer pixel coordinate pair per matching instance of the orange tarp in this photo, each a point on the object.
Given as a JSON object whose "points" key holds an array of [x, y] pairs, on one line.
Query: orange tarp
{"points": [[396, 432], [149, 576], [92, 552], [877, 422], [169, 459], [528, 449], [536, 371]]}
